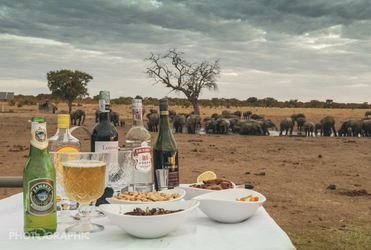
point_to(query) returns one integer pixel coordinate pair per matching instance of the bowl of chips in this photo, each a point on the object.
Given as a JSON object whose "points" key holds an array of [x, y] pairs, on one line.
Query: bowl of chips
{"points": [[149, 220], [142, 197], [230, 205]]}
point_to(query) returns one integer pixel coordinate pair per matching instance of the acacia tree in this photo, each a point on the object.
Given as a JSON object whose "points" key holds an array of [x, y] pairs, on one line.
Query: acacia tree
{"points": [[182, 76], [68, 85]]}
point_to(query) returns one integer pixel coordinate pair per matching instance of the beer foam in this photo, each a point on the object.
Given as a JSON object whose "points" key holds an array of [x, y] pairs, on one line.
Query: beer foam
{"points": [[84, 163]]}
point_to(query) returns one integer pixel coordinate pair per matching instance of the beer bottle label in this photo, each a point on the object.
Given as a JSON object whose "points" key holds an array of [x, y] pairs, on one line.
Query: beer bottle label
{"points": [[41, 196], [38, 135], [142, 158]]}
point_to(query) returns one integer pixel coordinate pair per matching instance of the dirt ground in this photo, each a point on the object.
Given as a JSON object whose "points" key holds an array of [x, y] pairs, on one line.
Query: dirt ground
{"points": [[318, 189]]}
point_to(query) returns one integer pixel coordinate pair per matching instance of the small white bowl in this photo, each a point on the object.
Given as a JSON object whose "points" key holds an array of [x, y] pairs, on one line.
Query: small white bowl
{"points": [[170, 191], [222, 206], [193, 192], [153, 226]]}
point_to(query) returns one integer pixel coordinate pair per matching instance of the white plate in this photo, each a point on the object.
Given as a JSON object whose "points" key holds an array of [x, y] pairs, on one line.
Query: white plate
{"points": [[149, 226], [170, 191], [193, 192]]}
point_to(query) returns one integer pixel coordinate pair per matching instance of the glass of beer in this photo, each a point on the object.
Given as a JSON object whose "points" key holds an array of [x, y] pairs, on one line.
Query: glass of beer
{"points": [[84, 182], [64, 217]]}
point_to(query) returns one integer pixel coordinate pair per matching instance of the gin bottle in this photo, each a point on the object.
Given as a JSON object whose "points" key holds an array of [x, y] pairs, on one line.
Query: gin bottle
{"points": [[138, 140]]}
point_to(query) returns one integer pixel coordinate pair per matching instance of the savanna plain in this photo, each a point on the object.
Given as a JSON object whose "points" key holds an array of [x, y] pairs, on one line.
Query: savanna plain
{"points": [[318, 189]]}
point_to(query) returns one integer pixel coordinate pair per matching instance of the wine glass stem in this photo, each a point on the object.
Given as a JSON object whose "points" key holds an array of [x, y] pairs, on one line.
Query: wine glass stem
{"points": [[84, 211]]}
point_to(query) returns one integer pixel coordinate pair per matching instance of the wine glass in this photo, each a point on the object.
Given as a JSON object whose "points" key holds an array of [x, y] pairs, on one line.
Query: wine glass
{"points": [[84, 181], [119, 170], [64, 217]]}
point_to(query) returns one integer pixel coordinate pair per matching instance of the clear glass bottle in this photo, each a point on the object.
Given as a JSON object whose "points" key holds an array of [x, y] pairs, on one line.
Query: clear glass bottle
{"points": [[39, 184], [63, 141], [104, 136], [138, 140], [165, 150]]}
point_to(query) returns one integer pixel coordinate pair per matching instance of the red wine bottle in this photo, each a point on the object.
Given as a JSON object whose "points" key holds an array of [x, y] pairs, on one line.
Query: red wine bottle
{"points": [[104, 136], [165, 150]]}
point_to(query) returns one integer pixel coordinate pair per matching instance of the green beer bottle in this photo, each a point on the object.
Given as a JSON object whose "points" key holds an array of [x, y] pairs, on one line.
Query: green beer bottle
{"points": [[39, 180]]}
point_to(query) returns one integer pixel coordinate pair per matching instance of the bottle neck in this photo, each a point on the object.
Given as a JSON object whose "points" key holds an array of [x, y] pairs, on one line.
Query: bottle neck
{"points": [[164, 123], [137, 120], [38, 153], [103, 116]]}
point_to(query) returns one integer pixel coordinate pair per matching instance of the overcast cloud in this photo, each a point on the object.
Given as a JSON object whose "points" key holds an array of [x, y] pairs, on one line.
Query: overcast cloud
{"points": [[306, 50]]}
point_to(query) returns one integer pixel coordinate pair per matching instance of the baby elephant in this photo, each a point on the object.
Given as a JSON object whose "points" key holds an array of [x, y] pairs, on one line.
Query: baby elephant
{"points": [[308, 128]]}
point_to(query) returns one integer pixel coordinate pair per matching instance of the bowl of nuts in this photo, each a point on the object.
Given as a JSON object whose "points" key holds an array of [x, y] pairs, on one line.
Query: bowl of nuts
{"points": [[143, 197], [149, 220]]}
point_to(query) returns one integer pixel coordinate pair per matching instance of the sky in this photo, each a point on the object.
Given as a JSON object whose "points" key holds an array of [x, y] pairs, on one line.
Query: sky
{"points": [[285, 49]]}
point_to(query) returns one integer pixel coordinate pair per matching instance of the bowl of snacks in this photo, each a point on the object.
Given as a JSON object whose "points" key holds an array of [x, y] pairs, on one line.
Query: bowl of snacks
{"points": [[230, 206], [143, 197], [149, 220], [204, 187]]}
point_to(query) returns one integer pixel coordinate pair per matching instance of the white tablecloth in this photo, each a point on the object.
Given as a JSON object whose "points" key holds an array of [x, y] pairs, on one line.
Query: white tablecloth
{"points": [[199, 232]]}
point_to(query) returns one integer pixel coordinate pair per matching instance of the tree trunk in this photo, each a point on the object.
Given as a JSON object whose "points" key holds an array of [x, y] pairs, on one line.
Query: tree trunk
{"points": [[70, 105], [196, 108]]}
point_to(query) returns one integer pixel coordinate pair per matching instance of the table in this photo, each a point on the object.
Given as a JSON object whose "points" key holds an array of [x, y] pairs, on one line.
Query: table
{"points": [[199, 232]]}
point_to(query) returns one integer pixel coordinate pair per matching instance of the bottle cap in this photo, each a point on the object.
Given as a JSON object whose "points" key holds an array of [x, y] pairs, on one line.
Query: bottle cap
{"points": [[104, 101], [38, 119], [63, 121], [164, 106]]}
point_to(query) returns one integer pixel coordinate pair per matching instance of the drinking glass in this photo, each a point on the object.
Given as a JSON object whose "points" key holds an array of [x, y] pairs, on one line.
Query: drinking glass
{"points": [[119, 170], [84, 181], [64, 217]]}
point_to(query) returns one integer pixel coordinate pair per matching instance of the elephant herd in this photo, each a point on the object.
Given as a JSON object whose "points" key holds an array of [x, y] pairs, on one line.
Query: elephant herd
{"points": [[243, 123]]}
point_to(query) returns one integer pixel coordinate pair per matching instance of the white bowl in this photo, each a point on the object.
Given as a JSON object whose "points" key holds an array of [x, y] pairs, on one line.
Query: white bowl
{"points": [[153, 226], [170, 191], [193, 192], [222, 206]]}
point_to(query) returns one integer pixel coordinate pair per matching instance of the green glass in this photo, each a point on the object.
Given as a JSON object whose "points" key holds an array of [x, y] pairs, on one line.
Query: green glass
{"points": [[39, 184], [165, 150]]}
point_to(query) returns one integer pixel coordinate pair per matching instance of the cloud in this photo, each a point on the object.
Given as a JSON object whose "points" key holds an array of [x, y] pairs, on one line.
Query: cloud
{"points": [[281, 49]]}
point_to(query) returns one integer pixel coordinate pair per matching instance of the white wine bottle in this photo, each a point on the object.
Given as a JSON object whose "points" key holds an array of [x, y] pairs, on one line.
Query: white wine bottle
{"points": [[165, 150]]}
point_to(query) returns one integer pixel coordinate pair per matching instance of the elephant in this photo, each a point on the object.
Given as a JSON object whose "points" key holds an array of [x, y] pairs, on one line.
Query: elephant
{"points": [[114, 117], [172, 114], [222, 125], [366, 126], [179, 122], [233, 121], [287, 124], [308, 128], [296, 116], [236, 129], [257, 117], [215, 116], [122, 122], [356, 128], [77, 115], [153, 121], [300, 121], [247, 114], [318, 126], [226, 113], [367, 113], [153, 111], [192, 122], [328, 124], [237, 113], [250, 128], [209, 125], [265, 124]]}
